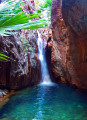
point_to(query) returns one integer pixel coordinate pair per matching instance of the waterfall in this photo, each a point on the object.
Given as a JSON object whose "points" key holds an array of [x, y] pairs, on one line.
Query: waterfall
{"points": [[45, 79]]}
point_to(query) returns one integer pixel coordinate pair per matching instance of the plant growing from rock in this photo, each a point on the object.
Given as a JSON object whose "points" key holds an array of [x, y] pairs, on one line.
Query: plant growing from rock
{"points": [[12, 18], [26, 46]]}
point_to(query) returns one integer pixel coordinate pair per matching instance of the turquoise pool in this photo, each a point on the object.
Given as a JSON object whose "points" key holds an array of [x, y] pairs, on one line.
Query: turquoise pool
{"points": [[58, 102]]}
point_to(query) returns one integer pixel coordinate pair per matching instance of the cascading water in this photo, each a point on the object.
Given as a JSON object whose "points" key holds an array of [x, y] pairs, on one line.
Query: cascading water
{"points": [[47, 101], [45, 80]]}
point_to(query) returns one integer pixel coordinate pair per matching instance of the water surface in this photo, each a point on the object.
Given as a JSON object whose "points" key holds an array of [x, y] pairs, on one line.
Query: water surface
{"points": [[58, 102]]}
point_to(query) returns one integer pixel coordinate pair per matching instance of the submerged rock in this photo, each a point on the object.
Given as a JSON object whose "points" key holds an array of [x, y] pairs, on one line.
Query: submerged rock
{"points": [[69, 53]]}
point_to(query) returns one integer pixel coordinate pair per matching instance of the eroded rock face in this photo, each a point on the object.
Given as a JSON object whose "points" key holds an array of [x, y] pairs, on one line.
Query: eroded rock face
{"points": [[69, 53], [23, 67]]}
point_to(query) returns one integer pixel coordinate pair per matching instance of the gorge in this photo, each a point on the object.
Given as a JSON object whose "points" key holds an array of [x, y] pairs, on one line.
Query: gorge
{"points": [[47, 66]]}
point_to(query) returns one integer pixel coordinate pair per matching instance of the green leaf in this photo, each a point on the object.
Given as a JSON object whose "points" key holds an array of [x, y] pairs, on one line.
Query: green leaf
{"points": [[3, 57], [12, 18]]}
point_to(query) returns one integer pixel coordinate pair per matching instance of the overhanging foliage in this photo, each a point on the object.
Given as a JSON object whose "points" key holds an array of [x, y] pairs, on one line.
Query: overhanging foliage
{"points": [[12, 18]]}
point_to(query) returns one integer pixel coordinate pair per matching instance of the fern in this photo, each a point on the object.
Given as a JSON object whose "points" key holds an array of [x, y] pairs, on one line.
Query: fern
{"points": [[12, 18], [3, 57]]}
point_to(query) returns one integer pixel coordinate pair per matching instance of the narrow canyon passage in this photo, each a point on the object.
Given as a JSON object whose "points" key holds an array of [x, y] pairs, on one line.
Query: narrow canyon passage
{"points": [[46, 101], [43, 60]]}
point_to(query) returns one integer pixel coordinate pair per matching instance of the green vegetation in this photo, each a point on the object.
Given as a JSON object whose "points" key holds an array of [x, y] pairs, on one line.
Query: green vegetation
{"points": [[47, 4], [45, 9], [26, 45], [3, 57], [12, 18]]}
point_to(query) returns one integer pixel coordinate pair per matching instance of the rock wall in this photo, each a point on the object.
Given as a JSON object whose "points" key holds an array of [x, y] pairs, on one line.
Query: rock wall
{"points": [[69, 53], [23, 67]]}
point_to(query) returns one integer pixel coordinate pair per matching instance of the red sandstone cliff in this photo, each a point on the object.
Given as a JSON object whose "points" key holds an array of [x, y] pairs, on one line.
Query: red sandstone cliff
{"points": [[69, 53]]}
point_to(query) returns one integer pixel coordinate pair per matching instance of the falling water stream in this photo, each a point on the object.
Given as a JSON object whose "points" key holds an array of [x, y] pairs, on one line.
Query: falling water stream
{"points": [[47, 101], [45, 80]]}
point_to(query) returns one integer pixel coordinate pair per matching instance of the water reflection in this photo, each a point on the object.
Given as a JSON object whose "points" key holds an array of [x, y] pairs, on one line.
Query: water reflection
{"points": [[57, 102]]}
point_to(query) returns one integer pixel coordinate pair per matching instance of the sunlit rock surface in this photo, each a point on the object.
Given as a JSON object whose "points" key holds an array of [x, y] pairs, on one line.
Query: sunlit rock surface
{"points": [[69, 53], [23, 68]]}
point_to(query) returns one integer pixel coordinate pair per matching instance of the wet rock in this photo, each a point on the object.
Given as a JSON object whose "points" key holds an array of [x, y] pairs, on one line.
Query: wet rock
{"points": [[3, 92], [69, 26]]}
